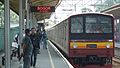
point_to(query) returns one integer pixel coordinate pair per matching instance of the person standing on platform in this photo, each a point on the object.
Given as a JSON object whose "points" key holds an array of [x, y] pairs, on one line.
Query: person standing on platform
{"points": [[35, 41], [27, 49], [40, 37], [44, 38], [16, 39]]}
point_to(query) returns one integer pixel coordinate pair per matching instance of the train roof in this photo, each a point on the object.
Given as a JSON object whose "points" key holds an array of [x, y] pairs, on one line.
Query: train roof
{"points": [[82, 14], [91, 13], [86, 14]]}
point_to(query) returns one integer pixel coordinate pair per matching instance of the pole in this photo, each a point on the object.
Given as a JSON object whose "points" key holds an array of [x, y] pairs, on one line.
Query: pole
{"points": [[27, 20], [75, 7], [20, 22], [23, 21], [23, 15], [7, 36], [32, 20]]}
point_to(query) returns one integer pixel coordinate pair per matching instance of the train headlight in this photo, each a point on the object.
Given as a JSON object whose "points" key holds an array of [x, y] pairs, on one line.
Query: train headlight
{"points": [[108, 46], [75, 45]]}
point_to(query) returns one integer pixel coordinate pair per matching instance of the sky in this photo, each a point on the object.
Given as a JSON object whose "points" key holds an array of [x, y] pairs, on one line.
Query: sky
{"points": [[69, 7]]}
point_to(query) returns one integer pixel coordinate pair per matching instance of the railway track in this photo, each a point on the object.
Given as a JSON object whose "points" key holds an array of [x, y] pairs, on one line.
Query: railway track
{"points": [[116, 62]]}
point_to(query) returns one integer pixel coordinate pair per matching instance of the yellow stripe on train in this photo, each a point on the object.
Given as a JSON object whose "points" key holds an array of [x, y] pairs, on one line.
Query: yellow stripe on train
{"points": [[91, 45]]}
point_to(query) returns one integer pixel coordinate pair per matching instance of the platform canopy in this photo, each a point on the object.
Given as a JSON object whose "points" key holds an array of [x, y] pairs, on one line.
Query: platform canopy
{"points": [[115, 10], [14, 5]]}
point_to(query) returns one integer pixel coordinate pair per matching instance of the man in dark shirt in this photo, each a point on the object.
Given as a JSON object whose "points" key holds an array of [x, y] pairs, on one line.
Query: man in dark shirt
{"points": [[35, 41], [27, 49]]}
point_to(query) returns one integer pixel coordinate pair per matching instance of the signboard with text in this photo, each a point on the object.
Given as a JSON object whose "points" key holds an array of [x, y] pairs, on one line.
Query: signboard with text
{"points": [[43, 9]]}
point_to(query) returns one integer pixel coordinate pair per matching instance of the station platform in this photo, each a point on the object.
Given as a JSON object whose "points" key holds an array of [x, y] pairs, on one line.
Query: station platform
{"points": [[117, 50], [48, 58], [117, 45]]}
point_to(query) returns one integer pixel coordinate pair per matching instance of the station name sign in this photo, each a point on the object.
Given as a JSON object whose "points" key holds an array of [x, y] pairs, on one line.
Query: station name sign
{"points": [[43, 9]]}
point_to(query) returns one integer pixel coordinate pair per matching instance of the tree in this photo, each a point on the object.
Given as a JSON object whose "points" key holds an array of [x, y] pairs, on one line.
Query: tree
{"points": [[13, 16], [1, 15]]}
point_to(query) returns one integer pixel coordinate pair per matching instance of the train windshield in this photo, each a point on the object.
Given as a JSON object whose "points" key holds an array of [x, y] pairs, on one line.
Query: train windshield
{"points": [[91, 24], [98, 24], [77, 25]]}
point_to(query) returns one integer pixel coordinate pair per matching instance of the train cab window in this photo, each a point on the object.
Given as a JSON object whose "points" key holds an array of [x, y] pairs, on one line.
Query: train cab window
{"points": [[77, 25], [101, 24]]}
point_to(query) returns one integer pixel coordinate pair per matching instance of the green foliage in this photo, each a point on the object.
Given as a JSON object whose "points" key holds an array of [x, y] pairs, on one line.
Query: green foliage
{"points": [[13, 16], [1, 15]]}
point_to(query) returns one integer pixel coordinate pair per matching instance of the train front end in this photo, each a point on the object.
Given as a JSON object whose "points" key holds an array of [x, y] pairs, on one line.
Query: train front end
{"points": [[91, 40]]}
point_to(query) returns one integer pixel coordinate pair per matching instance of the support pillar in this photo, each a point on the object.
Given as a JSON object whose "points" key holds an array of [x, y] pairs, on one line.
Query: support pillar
{"points": [[20, 23], [27, 19], [7, 36]]}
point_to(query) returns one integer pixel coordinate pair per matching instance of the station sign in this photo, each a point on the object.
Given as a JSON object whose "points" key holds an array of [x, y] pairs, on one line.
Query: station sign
{"points": [[43, 9]]}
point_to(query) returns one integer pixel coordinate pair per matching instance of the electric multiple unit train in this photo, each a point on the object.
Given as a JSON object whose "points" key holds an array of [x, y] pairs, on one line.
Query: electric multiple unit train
{"points": [[87, 40]]}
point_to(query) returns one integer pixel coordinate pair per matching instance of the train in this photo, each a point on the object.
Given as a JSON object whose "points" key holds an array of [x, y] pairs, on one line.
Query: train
{"points": [[86, 39]]}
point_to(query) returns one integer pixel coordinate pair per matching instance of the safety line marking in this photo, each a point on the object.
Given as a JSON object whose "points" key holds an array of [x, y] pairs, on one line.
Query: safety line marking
{"points": [[64, 59], [51, 61]]}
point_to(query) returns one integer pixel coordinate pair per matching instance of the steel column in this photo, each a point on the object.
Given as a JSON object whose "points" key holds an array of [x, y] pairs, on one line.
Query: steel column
{"points": [[32, 19], [20, 22], [23, 20], [30, 22], [7, 36], [23, 15], [27, 19]]}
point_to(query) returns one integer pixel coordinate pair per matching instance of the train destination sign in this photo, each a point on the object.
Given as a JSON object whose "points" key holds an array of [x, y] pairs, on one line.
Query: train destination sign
{"points": [[43, 9]]}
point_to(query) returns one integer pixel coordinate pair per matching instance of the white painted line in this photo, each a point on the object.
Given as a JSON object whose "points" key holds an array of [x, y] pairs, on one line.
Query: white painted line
{"points": [[51, 61], [70, 66]]}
